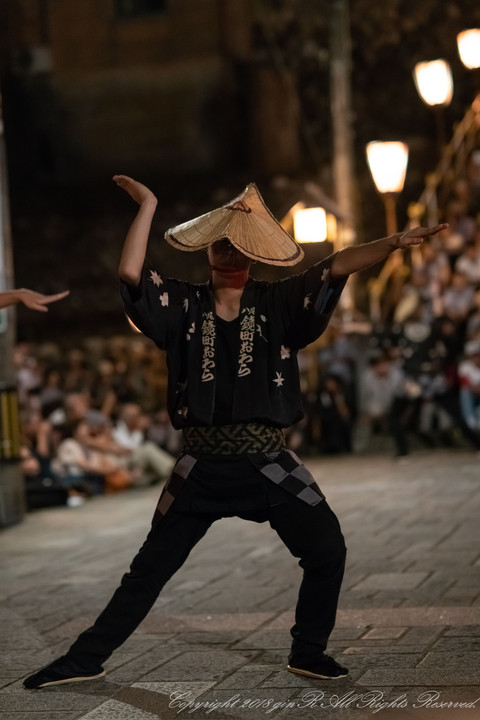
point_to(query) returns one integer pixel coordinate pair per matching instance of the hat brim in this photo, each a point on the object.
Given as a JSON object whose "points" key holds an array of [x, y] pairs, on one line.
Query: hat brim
{"points": [[247, 223]]}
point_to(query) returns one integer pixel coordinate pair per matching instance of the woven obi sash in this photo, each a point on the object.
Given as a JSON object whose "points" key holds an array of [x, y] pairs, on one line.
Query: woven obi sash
{"points": [[233, 439]]}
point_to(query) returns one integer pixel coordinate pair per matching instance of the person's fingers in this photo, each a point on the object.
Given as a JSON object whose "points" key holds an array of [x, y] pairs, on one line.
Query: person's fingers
{"points": [[54, 298]]}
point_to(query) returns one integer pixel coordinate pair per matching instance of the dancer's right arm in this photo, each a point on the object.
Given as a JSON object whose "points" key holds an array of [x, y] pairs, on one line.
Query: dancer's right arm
{"points": [[135, 245]]}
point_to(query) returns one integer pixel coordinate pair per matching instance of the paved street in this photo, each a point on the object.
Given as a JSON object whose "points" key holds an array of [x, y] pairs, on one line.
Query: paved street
{"points": [[408, 624]]}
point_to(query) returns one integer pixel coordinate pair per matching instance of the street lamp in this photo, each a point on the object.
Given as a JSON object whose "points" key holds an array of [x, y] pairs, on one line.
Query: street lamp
{"points": [[434, 84], [388, 164], [468, 43], [309, 224]]}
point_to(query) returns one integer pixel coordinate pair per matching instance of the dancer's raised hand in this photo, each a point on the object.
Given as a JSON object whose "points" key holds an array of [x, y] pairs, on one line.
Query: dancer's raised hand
{"points": [[139, 192]]}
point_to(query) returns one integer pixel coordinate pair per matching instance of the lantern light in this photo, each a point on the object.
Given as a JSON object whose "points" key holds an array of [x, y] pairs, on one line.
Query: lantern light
{"points": [[310, 224], [468, 43], [388, 164], [434, 82]]}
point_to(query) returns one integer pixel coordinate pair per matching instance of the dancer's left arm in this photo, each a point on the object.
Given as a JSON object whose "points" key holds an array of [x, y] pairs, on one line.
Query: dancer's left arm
{"points": [[358, 257], [30, 298]]}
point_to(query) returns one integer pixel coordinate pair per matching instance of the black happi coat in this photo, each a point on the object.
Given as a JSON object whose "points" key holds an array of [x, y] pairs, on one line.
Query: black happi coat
{"points": [[276, 320]]}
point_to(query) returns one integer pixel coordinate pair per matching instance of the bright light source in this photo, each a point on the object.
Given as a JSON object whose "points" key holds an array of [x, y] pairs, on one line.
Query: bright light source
{"points": [[468, 43], [332, 229], [310, 225], [388, 164], [434, 82]]}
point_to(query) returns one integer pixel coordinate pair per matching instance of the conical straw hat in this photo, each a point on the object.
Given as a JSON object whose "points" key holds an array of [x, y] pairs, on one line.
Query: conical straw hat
{"points": [[247, 223]]}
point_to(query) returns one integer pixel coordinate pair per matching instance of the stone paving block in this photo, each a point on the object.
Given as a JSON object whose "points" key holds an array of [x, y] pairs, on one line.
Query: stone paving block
{"points": [[420, 636], [458, 660], [56, 699], [374, 650], [384, 633], [160, 622], [391, 581], [466, 631], [138, 666], [347, 633], [457, 644], [365, 660], [206, 665], [115, 710], [266, 639], [247, 677], [207, 638], [49, 715], [428, 677]]}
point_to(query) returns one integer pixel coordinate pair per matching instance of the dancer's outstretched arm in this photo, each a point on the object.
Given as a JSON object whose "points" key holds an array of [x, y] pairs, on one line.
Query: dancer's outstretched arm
{"points": [[358, 257], [135, 245], [30, 298]]}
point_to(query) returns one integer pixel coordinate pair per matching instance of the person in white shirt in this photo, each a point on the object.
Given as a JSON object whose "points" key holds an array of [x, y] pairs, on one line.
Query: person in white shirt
{"points": [[469, 377], [129, 433]]}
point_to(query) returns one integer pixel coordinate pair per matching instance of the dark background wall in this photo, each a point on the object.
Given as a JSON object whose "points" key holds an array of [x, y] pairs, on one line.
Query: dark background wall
{"points": [[195, 98]]}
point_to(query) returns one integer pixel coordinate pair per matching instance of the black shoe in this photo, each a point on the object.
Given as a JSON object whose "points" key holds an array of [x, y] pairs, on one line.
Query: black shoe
{"points": [[324, 668], [58, 673]]}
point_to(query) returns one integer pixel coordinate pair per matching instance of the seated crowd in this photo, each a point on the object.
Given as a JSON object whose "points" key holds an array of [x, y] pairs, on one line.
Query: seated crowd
{"points": [[92, 425]]}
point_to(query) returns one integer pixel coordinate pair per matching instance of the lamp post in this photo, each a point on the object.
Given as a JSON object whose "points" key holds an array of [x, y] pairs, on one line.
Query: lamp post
{"points": [[434, 84], [388, 164]]}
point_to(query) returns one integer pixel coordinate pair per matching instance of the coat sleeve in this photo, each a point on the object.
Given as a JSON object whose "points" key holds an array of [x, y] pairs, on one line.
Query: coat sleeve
{"points": [[308, 301], [156, 306]]}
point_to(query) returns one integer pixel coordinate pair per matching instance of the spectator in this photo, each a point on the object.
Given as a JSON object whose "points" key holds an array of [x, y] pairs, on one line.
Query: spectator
{"points": [[335, 416], [144, 455], [469, 262], [459, 299], [469, 377], [379, 384]]}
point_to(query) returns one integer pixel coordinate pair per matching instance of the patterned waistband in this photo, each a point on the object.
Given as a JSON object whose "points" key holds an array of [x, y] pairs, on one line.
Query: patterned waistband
{"points": [[234, 439]]}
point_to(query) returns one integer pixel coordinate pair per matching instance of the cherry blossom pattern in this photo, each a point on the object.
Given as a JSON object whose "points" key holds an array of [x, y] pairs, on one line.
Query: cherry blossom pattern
{"points": [[307, 300], [284, 352], [279, 380], [185, 304], [164, 299], [191, 330], [156, 278]]}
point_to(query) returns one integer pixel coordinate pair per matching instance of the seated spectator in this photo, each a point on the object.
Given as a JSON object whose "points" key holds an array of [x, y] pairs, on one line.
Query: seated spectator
{"points": [[473, 322], [458, 299], [469, 377], [380, 384], [144, 455], [468, 263], [335, 416], [80, 465]]}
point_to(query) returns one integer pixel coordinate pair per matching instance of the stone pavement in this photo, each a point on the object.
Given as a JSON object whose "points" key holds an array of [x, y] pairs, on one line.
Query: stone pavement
{"points": [[408, 623]]}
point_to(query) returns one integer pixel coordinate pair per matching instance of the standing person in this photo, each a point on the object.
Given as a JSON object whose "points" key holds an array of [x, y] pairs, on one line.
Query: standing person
{"points": [[233, 387]]}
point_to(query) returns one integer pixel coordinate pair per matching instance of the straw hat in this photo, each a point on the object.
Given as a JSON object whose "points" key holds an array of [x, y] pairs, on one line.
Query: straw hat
{"points": [[247, 223]]}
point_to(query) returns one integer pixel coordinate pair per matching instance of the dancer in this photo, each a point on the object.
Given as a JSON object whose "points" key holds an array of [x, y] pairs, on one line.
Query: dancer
{"points": [[233, 387]]}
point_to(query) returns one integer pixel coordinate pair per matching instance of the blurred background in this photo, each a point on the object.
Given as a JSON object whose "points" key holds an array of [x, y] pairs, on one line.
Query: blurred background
{"points": [[195, 98]]}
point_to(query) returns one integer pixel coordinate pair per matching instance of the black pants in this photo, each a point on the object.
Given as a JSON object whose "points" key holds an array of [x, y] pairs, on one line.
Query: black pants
{"points": [[310, 533]]}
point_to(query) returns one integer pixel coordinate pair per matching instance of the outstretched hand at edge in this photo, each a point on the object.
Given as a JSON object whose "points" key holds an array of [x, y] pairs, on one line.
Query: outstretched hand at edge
{"points": [[37, 301], [415, 236]]}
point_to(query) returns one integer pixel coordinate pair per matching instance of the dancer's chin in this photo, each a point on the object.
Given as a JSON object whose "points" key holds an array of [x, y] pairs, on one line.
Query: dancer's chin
{"points": [[228, 270]]}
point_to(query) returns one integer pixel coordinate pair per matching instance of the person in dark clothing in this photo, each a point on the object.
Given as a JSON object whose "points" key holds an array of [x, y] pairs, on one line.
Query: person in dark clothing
{"points": [[233, 387]]}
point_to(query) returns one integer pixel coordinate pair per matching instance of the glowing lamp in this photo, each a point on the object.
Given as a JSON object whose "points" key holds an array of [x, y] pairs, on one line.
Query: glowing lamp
{"points": [[434, 82], [310, 224]]}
